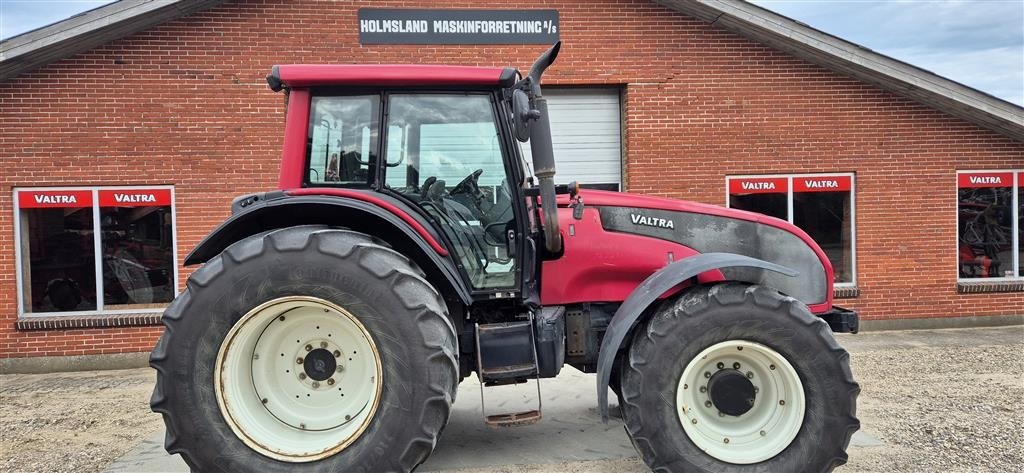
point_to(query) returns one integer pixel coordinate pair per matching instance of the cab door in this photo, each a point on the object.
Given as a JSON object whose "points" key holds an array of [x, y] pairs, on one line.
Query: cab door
{"points": [[444, 153]]}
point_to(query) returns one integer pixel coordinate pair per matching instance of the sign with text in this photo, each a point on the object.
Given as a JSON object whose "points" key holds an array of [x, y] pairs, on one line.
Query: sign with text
{"points": [[821, 184], [985, 179], [54, 199], [135, 197], [421, 26], [758, 185]]}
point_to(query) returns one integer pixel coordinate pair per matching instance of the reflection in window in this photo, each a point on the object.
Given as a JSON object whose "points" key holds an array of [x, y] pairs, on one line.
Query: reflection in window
{"points": [[58, 259], [342, 139], [137, 257], [825, 216], [986, 227]]}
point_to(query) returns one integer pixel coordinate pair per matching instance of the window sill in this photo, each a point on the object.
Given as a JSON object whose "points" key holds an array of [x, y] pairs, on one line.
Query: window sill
{"points": [[975, 287], [845, 292], [87, 321]]}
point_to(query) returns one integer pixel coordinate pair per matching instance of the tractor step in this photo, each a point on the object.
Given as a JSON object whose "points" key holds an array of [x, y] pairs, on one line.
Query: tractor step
{"points": [[507, 355]]}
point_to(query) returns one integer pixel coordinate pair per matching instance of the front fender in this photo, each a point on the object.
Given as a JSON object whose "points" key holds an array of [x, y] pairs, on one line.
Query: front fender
{"points": [[257, 213], [648, 291]]}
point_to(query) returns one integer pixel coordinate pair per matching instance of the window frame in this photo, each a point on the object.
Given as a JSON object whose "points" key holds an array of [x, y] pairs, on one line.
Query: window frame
{"points": [[97, 250], [789, 209], [1016, 191]]}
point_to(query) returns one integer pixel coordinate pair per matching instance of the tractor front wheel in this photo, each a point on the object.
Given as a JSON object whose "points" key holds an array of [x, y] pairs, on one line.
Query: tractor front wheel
{"points": [[738, 378], [305, 349]]}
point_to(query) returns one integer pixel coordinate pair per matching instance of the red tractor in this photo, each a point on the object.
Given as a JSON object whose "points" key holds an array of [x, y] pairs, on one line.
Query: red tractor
{"points": [[410, 245]]}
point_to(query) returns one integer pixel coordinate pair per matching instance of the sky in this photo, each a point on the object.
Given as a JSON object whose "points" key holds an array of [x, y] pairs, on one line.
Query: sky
{"points": [[979, 43]]}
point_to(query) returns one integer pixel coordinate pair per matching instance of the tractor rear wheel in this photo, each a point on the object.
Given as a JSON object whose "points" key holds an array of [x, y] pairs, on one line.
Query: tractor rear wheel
{"points": [[305, 349], [738, 378]]}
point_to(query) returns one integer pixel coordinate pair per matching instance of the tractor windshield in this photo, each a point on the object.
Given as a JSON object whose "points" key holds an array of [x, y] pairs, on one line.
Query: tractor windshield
{"points": [[443, 152]]}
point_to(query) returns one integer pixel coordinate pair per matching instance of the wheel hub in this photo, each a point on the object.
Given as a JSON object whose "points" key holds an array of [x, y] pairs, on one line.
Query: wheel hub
{"points": [[319, 364], [279, 374], [731, 392], [740, 402]]}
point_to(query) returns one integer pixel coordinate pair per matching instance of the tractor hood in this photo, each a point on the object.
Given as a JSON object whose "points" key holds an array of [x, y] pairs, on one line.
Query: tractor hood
{"points": [[707, 228]]}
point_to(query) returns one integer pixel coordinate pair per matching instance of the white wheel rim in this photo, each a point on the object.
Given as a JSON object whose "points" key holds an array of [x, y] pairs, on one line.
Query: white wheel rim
{"points": [[764, 431], [266, 395]]}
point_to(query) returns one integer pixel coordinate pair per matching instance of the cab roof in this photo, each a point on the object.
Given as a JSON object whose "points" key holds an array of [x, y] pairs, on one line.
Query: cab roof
{"points": [[319, 75]]}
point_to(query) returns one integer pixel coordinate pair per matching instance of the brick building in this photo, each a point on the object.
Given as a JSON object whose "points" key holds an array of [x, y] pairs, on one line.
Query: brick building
{"points": [[128, 129]]}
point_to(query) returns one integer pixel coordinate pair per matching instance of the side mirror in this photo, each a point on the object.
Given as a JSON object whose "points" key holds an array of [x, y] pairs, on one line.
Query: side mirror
{"points": [[522, 115]]}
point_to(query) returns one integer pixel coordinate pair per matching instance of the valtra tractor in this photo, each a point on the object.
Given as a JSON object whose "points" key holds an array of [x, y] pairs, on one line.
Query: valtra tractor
{"points": [[410, 244]]}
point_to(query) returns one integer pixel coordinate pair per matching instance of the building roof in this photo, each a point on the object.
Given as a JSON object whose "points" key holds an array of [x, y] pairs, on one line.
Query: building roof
{"points": [[104, 24], [88, 30]]}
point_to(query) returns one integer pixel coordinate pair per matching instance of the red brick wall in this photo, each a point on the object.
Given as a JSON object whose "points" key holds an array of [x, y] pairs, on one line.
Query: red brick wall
{"points": [[186, 104]]}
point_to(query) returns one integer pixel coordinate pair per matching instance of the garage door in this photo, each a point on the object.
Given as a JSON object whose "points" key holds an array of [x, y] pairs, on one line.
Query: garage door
{"points": [[587, 136]]}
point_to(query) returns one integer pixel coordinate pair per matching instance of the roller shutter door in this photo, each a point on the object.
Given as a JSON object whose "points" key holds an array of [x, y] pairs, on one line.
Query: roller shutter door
{"points": [[586, 129]]}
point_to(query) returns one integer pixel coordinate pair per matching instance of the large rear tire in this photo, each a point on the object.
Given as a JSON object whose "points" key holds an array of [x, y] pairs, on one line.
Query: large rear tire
{"points": [[305, 349], [738, 378]]}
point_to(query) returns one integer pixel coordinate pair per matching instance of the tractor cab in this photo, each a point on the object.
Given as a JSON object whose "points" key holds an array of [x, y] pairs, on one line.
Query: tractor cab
{"points": [[441, 152], [442, 140]]}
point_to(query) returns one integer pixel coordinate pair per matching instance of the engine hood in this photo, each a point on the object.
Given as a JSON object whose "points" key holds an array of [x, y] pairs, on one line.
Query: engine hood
{"points": [[711, 228]]}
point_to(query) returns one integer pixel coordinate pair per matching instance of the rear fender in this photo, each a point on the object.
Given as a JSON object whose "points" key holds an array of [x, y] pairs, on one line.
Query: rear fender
{"points": [[647, 292], [261, 212]]}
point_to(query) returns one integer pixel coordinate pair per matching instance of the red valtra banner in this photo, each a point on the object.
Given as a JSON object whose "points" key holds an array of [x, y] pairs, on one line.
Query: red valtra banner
{"points": [[822, 184], [135, 197], [758, 185], [54, 199], [985, 179]]}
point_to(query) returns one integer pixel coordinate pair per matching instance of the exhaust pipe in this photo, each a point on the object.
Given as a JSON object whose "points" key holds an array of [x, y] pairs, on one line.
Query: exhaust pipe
{"points": [[540, 146]]}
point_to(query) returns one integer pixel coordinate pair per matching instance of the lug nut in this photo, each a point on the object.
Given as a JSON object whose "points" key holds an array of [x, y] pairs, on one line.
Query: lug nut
{"points": [[330, 381], [309, 347], [703, 389], [735, 366], [721, 365], [750, 375], [720, 414], [707, 403], [323, 344], [771, 367], [302, 375], [707, 374], [299, 360], [316, 384], [337, 353]]}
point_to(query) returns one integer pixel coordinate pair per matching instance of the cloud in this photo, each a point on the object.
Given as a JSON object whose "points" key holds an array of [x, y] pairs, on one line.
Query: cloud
{"points": [[977, 43]]}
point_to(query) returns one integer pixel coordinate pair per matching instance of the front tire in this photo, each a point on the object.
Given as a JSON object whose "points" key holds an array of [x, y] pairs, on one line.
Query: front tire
{"points": [[305, 349], [738, 378]]}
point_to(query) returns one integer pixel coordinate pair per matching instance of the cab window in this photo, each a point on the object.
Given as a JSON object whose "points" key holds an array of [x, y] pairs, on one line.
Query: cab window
{"points": [[444, 154], [342, 139]]}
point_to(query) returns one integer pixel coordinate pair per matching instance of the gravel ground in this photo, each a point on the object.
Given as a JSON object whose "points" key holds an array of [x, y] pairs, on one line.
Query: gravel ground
{"points": [[940, 401]]}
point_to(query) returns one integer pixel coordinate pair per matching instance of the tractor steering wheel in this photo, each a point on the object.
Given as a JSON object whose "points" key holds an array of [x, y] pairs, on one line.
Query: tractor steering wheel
{"points": [[469, 185]]}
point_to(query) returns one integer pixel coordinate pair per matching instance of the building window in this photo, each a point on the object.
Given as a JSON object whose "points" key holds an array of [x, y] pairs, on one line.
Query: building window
{"points": [[85, 251], [821, 205], [989, 224]]}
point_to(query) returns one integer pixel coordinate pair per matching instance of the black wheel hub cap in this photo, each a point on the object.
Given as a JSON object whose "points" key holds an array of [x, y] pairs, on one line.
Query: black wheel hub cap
{"points": [[731, 392], [319, 364]]}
